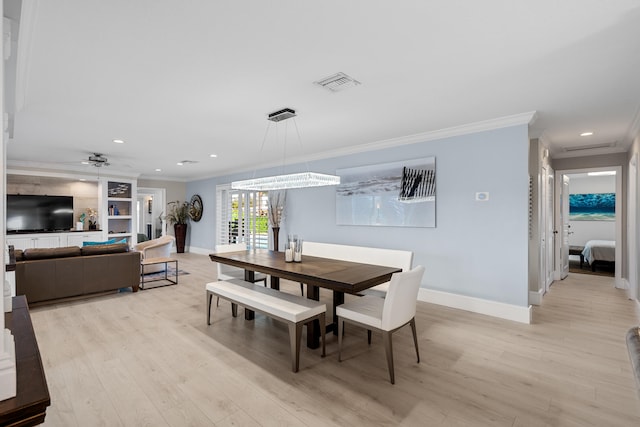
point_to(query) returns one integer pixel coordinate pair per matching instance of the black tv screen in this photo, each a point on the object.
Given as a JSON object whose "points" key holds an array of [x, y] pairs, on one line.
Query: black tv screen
{"points": [[39, 213]]}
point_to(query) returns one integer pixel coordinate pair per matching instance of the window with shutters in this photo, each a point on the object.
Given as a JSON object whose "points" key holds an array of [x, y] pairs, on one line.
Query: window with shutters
{"points": [[242, 216]]}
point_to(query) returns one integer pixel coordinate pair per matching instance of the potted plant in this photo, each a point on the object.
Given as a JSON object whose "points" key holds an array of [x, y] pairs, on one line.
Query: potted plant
{"points": [[93, 218], [178, 216]]}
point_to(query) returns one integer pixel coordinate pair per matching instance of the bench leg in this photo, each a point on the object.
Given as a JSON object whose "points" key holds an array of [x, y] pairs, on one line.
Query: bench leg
{"points": [[209, 298], [295, 334], [234, 309], [323, 321]]}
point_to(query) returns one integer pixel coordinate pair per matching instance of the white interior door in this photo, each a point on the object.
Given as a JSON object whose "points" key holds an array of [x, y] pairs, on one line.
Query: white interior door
{"points": [[566, 227], [549, 183]]}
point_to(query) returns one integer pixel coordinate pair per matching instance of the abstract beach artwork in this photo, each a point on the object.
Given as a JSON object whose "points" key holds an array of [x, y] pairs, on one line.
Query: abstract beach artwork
{"points": [[398, 194], [592, 207]]}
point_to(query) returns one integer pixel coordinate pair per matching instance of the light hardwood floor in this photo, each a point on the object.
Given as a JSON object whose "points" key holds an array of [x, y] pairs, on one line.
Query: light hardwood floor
{"points": [[149, 359]]}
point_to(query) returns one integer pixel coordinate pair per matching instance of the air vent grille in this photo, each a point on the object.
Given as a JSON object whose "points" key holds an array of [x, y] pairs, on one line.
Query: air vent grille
{"points": [[589, 147], [337, 82]]}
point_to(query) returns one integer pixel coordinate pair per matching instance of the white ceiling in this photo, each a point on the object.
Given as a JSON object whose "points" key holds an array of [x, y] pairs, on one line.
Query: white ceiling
{"points": [[179, 80]]}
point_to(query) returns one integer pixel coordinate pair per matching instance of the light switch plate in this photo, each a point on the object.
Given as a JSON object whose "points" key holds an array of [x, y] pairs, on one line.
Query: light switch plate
{"points": [[482, 196]]}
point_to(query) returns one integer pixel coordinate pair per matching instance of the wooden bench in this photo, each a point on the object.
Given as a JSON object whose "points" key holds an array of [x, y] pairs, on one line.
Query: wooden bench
{"points": [[295, 311], [577, 250]]}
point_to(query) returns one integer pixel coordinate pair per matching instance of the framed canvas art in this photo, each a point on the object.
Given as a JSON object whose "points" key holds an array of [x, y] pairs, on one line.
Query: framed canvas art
{"points": [[398, 194], [592, 207]]}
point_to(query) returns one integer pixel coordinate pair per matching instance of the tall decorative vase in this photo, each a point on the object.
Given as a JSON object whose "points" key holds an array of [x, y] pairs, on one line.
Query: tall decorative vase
{"points": [[180, 231], [276, 232]]}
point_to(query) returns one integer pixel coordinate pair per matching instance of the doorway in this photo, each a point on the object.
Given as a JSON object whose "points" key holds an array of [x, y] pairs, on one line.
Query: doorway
{"points": [[150, 205], [568, 229]]}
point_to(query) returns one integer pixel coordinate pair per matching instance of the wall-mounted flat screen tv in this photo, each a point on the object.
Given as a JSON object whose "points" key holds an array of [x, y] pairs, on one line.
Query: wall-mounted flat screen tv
{"points": [[39, 213]]}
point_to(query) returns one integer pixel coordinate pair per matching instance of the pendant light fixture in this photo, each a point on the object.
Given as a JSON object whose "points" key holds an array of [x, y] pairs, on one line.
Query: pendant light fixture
{"points": [[285, 181]]}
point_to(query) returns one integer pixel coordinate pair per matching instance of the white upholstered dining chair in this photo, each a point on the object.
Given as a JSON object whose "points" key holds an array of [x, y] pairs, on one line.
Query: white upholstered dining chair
{"points": [[230, 272], [397, 309]]}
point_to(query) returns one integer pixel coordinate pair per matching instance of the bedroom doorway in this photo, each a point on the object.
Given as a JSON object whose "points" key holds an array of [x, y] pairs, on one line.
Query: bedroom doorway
{"points": [[599, 225]]}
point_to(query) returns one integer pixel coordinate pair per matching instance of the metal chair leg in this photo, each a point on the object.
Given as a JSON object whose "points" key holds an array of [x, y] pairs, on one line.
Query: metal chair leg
{"points": [[388, 347], [412, 322], [369, 336], [209, 297]]}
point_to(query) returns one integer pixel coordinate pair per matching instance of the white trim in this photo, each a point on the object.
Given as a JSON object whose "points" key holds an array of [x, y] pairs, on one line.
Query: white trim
{"points": [[634, 129], [200, 251], [52, 169], [477, 305], [535, 297]]}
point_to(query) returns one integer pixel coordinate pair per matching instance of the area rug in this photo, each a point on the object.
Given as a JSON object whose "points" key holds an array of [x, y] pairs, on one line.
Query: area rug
{"points": [[171, 273], [601, 270]]}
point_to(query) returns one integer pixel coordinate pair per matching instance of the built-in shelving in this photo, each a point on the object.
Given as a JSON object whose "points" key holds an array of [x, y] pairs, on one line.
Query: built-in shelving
{"points": [[118, 209]]}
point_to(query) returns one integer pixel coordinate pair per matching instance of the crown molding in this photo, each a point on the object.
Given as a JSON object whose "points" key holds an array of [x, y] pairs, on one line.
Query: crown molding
{"points": [[486, 125], [48, 169], [634, 129], [475, 127]]}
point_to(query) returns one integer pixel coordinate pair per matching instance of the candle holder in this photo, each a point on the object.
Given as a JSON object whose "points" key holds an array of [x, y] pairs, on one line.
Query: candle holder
{"points": [[297, 251], [293, 249]]}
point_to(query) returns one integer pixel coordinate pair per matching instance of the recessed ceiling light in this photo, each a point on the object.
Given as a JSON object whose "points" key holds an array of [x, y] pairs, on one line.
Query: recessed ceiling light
{"points": [[84, 162], [213, 155], [586, 134], [158, 170], [179, 163], [82, 179], [118, 141]]}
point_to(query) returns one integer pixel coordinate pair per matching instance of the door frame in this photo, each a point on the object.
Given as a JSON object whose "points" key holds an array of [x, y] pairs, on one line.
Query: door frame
{"points": [[632, 228], [619, 282]]}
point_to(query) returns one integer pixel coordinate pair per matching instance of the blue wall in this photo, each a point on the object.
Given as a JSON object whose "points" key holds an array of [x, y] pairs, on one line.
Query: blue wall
{"points": [[477, 249]]}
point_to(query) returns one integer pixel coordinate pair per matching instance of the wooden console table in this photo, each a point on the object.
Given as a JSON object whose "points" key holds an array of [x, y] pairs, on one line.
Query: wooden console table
{"points": [[29, 406]]}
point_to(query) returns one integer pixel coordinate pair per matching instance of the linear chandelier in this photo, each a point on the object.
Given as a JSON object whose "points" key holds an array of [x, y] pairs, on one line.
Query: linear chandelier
{"points": [[286, 181]]}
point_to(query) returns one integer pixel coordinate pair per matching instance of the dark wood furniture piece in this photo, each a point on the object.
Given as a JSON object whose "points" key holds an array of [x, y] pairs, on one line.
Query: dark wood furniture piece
{"points": [[577, 250], [339, 276], [29, 406]]}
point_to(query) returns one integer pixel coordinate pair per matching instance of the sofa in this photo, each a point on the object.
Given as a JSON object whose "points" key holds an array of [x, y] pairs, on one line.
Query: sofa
{"points": [[48, 274], [155, 248]]}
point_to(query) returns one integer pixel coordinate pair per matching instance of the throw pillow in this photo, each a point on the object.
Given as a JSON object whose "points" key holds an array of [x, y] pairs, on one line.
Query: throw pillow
{"points": [[108, 242]]}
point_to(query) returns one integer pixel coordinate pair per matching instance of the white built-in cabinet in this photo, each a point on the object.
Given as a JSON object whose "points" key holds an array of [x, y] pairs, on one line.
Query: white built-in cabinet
{"points": [[52, 240], [118, 207]]}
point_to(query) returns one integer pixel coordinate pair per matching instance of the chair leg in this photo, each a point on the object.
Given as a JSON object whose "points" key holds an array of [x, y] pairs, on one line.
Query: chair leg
{"points": [[369, 336], [340, 330], [217, 301], [412, 322], [295, 334], [301, 288], [388, 347], [234, 309], [209, 297]]}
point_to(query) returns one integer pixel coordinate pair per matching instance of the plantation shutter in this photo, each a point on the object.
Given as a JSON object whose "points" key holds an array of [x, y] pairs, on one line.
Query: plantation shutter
{"points": [[241, 216]]}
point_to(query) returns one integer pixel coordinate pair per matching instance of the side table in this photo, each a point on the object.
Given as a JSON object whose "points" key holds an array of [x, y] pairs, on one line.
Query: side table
{"points": [[154, 261]]}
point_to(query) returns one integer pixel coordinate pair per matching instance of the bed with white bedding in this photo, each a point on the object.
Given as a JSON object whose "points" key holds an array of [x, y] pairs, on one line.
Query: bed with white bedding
{"points": [[599, 251]]}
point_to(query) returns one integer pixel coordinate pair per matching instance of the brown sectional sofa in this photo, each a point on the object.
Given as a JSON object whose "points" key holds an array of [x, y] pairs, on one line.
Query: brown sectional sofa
{"points": [[53, 273]]}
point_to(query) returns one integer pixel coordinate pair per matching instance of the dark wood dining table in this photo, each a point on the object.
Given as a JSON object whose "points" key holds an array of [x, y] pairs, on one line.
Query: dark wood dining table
{"points": [[336, 275]]}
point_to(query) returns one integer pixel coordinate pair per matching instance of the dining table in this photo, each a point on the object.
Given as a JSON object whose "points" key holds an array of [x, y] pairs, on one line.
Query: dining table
{"points": [[336, 275]]}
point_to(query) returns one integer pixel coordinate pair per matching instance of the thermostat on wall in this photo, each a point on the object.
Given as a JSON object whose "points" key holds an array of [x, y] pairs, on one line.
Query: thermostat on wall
{"points": [[482, 196]]}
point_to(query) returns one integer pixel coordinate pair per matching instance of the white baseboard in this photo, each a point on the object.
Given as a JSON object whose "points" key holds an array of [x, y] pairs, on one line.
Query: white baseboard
{"points": [[535, 297], [200, 251], [477, 305]]}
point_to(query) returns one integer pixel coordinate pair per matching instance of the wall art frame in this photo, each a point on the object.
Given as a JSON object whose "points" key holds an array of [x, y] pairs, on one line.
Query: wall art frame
{"points": [[397, 194]]}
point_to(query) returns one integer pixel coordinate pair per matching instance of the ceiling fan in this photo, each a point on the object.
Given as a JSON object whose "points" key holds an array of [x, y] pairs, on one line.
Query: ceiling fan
{"points": [[98, 160]]}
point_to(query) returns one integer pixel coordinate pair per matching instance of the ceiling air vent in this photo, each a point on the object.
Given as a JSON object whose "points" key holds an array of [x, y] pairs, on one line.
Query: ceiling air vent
{"points": [[337, 82], [590, 147]]}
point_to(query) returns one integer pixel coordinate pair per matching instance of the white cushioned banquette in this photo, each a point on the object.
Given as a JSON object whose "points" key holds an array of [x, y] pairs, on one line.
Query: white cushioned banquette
{"points": [[363, 254]]}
